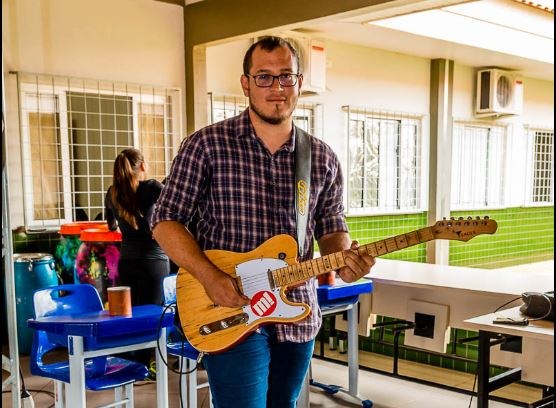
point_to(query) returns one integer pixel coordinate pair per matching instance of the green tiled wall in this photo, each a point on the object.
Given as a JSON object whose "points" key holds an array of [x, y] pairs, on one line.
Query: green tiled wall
{"points": [[372, 229], [524, 235], [35, 242]]}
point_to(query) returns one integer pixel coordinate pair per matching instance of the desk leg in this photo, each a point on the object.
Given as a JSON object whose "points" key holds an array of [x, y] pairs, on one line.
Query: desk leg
{"points": [[483, 367], [162, 371], [77, 396], [485, 383], [353, 350]]}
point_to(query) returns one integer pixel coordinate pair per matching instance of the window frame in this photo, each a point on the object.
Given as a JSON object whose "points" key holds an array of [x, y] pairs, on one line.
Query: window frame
{"points": [[58, 106], [385, 190], [501, 180], [530, 134]]}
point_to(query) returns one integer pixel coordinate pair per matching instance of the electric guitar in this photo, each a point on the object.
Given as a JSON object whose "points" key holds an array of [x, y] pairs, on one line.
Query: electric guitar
{"points": [[264, 273]]}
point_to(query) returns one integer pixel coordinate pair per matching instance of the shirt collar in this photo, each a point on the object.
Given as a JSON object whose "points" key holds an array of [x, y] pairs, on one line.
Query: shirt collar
{"points": [[245, 129]]}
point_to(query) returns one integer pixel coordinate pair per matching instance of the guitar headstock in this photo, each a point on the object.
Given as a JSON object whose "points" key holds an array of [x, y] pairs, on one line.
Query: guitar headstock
{"points": [[463, 229]]}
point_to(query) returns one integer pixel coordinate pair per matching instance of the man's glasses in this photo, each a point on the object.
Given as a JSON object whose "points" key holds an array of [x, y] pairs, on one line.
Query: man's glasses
{"points": [[266, 80]]}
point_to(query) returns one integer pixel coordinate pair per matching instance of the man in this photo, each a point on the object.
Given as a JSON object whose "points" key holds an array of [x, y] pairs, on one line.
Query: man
{"points": [[232, 187]]}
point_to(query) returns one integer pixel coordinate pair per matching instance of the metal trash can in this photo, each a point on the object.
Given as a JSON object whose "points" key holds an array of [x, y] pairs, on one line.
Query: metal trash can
{"points": [[97, 259], [32, 271]]}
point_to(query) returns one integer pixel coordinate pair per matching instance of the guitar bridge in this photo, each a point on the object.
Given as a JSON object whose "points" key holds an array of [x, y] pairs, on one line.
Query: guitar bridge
{"points": [[223, 324]]}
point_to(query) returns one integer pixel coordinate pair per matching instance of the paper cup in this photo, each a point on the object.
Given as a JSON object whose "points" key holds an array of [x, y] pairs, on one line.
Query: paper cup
{"points": [[119, 301], [328, 278]]}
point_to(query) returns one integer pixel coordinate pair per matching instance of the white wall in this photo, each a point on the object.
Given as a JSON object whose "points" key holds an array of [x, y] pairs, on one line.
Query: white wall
{"points": [[133, 41]]}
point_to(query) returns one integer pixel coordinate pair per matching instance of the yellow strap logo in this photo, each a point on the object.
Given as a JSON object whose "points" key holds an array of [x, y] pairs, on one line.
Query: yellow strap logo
{"points": [[301, 196]]}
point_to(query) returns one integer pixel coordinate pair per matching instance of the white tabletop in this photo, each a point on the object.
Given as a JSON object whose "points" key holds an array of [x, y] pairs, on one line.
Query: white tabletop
{"points": [[512, 281], [539, 329]]}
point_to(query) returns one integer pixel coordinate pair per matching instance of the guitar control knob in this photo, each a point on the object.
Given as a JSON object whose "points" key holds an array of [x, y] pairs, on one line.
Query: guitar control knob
{"points": [[224, 324], [206, 330]]}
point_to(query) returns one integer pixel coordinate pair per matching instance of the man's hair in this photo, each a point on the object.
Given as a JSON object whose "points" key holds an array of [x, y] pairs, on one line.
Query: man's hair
{"points": [[268, 43]]}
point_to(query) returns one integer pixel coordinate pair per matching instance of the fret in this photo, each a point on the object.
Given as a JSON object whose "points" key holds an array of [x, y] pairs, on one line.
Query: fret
{"points": [[316, 267], [333, 262], [308, 268], [291, 274], [284, 275], [412, 238], [300, 274], [340, 260], [304, 270], [326, 262], [380, 248], [277, 275], [391, 245], [320, 265], [371, 249], [425, 234], [401, 241], [297, 273]]}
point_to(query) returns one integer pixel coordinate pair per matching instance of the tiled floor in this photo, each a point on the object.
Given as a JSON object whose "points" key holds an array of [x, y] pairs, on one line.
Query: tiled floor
{"points": [[385, 391]]}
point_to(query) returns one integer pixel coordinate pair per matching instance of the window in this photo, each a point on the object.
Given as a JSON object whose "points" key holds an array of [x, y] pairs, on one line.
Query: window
{"points": [[478, 162], [384, 161], [306, 116], [540, 180], [72, 130]]}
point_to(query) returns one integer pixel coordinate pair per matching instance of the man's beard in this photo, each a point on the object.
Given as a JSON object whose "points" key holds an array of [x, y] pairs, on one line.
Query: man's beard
{"points": [[272, 120]]}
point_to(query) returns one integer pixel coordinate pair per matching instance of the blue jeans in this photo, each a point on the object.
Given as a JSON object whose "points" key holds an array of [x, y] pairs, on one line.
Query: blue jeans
{"points": [[259, 372]]}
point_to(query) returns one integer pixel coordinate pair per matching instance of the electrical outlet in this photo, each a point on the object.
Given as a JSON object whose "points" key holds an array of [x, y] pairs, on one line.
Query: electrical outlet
{"points": [[424, 325]]}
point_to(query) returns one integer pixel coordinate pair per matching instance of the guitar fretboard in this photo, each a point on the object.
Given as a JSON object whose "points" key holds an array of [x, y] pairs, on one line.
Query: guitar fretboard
{"points": [[303, 271]]}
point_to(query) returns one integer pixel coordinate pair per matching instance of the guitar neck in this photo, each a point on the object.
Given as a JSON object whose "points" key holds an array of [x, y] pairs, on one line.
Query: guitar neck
{"points": [[303, 271]]}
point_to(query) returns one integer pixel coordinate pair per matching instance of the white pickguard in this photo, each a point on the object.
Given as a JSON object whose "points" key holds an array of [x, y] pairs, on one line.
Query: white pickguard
{"points": [[265, 301]]}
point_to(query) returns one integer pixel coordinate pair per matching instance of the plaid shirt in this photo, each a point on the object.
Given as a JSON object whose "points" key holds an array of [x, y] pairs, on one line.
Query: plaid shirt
{"points": [[234, 195]]}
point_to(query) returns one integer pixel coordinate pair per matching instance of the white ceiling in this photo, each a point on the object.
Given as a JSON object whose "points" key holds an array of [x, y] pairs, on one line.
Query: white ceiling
{"points": [[485, 33]]}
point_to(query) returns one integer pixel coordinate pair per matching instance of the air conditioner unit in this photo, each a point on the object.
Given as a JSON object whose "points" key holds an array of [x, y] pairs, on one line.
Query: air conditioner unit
{"points": [[312, 53], [499, 92]]}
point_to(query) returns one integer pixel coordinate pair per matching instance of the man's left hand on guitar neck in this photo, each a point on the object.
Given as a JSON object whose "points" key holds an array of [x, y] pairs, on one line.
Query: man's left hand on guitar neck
{"points": [[357, 265]]}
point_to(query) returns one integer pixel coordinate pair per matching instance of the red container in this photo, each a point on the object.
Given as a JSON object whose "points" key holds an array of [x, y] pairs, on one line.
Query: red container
{"points": [[97, 259], [70, 242]]}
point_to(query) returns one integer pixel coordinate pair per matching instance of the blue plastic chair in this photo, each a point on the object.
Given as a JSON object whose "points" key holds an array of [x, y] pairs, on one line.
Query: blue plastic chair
{"points": [[101, 373], [179, 346]]}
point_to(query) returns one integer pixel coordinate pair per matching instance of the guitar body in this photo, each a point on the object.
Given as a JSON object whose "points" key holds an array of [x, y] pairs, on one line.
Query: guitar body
{"points": [[210, 328]]}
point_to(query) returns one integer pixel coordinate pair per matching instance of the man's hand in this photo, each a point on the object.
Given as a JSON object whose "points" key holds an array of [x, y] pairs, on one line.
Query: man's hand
{"points": [[357, 265], [223, 291]]}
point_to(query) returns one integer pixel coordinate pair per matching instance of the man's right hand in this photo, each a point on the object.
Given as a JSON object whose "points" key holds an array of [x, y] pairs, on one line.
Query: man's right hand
{"points": [[223, 291]]}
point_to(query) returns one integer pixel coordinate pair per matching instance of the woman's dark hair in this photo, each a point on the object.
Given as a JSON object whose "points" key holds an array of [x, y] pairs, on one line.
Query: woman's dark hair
{"points": [[268, 43], [127, 168]]}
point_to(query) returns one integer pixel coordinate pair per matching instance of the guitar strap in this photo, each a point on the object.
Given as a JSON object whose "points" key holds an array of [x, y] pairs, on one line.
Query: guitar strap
{"points": [[302, 184]]}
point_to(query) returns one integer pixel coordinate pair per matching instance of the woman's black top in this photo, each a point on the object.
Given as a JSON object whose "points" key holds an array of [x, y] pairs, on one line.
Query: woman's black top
{"points": [[137, 243]]}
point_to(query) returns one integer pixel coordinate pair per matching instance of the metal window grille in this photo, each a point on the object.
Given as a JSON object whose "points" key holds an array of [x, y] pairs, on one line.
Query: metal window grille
{"points": [[540, 180], [384, 160], [307, 116], [478, 162], [71, 131]]}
